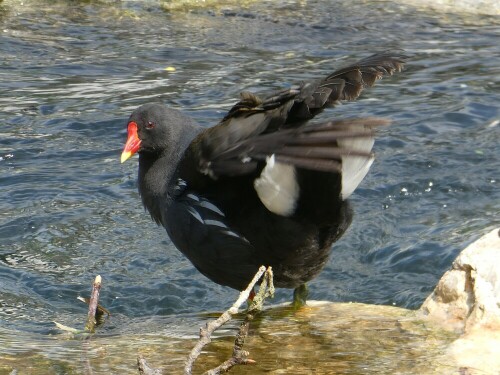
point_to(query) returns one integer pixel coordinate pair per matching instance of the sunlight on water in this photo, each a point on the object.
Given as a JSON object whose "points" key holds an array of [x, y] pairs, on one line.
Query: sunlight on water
{"points": [[335, 338], [72, 73]]}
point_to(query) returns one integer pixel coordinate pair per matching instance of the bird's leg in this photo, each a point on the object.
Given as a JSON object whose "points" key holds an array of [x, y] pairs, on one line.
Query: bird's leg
{"points": [[300, 296]]}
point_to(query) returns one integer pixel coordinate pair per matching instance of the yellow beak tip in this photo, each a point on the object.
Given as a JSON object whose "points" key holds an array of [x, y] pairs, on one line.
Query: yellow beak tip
{"points": [[125, 156]]}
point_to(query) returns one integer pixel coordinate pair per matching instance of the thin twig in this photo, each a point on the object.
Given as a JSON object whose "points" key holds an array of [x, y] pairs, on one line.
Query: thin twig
{"points": [[240, 356], [205, 333], [266, 289], [94, 300], [91, 322]]}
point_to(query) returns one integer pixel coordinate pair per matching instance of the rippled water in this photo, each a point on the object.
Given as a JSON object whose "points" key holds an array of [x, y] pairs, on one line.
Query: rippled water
{"points": [[71, 73]]}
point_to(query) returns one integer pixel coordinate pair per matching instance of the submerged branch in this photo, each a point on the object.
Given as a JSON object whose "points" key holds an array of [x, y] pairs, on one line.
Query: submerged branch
{"points": [[144, 368], [94, 301]]}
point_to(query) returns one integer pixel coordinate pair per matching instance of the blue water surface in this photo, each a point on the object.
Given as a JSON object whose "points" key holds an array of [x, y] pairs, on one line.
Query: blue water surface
{"points": [[72, 72]]}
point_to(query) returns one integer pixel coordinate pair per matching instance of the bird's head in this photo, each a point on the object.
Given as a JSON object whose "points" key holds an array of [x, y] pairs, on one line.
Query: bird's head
{"points": [[152, 128]]}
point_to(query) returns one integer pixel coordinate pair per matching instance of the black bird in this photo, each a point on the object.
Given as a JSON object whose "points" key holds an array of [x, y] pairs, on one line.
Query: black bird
{"points": [[264, 186]]}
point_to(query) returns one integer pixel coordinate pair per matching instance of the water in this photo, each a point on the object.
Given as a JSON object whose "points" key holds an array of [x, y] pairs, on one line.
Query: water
{"points": [[72, 72]]}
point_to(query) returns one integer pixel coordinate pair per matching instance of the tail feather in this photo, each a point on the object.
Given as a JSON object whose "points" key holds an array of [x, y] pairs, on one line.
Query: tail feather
{"points": [[354, 167]]}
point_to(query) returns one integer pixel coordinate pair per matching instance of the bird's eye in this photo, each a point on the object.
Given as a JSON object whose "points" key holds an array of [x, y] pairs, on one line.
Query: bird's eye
{"points": [[150, 125]]}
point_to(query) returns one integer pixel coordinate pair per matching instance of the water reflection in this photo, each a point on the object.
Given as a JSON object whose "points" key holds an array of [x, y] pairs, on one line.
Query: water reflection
{"points": [[334, 338]]}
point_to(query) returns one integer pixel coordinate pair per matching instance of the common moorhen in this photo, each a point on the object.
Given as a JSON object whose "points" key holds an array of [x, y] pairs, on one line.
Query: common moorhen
{"points": [[264, 186]]}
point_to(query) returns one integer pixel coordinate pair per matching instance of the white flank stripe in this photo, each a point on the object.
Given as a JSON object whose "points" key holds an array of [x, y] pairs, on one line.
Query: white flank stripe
{"points": [[277, 187]]}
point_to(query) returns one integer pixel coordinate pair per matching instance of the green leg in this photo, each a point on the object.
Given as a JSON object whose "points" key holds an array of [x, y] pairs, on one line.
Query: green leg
{"points": [[300, 296]]}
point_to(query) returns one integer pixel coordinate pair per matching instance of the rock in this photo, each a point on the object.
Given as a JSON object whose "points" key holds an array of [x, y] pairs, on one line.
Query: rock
{"points": [[476, 352], [468, 296], [467, 299]]}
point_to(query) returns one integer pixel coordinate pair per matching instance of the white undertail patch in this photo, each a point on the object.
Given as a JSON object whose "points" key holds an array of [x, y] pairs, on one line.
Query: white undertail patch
{"points": [[277, 187], [355, 168]]}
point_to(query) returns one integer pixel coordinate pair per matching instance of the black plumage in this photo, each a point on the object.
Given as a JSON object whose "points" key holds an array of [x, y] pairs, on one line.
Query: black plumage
{"points": [[264, 186]]}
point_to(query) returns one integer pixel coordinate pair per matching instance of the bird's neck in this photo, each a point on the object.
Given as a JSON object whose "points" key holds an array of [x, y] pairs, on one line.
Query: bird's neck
{"points": [[154, 174], [156, 171]]}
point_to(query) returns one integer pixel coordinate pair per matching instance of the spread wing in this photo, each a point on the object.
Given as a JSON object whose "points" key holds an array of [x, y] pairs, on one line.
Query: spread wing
{"points": [[269, 140], [257, 128], [310, 98]]}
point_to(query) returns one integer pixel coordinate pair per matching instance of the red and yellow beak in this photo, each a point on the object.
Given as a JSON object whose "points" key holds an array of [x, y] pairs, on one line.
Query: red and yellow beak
{"points": [[133, 142]]}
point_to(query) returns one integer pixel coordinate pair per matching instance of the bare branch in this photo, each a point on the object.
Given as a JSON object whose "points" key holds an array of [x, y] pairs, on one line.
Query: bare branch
{"points": [[266, 289], [144, 368], [240, 356], [94, 300], [205, 333]]}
